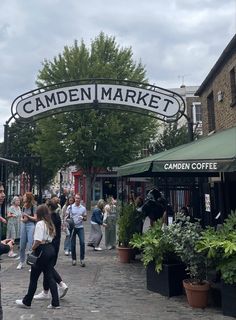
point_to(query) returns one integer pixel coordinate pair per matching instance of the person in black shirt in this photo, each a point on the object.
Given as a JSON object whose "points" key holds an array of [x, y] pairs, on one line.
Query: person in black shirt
{"points": [[56, 243], [5, 245]]}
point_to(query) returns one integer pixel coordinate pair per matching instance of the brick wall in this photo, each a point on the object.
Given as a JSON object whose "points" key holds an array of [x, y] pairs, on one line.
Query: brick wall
{"points": [[225, 115]]}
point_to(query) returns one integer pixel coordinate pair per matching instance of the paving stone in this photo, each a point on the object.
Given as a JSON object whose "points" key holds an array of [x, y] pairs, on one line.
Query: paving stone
{"points": [[104, 290]]}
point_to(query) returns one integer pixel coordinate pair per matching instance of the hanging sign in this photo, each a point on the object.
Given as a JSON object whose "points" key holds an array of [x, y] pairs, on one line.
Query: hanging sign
{"points": [[163, 102]]}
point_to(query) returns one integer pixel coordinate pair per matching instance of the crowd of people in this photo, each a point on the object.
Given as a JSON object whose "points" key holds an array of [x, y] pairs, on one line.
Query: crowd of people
{"points": [[39, 229]]}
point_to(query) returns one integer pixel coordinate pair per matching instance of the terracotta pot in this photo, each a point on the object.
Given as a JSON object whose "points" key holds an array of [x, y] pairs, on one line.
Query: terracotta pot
{"points": [[124, 254], [197, 294]]}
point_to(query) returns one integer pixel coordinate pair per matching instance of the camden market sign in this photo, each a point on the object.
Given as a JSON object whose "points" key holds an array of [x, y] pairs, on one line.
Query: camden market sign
{"points": [[165, 104]]}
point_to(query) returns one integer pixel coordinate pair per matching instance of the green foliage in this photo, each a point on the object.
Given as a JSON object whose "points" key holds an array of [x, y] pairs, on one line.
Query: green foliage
{"points": [[155, 245], [185, 235], [220, 247], [170, 136], [93, 138], [20, 138], [22, 144], [126, 224]]}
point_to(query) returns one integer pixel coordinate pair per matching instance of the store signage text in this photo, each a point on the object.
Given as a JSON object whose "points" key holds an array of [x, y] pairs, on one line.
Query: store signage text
{"points": [[190, 166], [164, 103]]}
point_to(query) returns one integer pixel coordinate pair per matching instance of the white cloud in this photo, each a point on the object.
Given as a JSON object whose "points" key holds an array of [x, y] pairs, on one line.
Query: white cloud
{"points": [[173, 38]]}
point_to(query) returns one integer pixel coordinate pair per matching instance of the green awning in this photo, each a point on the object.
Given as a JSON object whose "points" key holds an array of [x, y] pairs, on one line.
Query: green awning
{"points": [[214, 153]]}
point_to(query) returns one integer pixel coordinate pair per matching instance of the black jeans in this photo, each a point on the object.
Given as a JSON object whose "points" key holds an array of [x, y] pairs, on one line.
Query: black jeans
{"points": [[80, 233], [45, 264], [56, 275]]}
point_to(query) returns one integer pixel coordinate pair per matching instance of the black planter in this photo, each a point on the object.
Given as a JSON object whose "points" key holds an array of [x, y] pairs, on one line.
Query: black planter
{"points": [[169, 281], [228, 298]]}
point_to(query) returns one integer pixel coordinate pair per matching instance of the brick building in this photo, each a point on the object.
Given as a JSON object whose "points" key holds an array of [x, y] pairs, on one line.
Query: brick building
{"points": [[218, 92], [218, 97], [212, 193]]}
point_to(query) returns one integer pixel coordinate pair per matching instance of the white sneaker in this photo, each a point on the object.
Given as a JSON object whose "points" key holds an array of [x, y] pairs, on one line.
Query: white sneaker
{"points": [[42, 296], [66, 253], [63, 290], [12, 255], [52, 307], [98, 249], [20, 266], [21, 304]]}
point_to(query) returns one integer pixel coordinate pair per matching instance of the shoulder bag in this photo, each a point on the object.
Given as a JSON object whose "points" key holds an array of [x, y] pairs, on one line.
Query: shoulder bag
{"points": [[32, 259], [70, 220]]}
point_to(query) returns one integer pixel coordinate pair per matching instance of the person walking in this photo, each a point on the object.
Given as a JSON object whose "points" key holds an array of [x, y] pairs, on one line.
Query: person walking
{"points": [[78, 214], [109, 220], [65, 227], [13, 216], [45, 250], [28, 219], [63, 288], [95, 236]]}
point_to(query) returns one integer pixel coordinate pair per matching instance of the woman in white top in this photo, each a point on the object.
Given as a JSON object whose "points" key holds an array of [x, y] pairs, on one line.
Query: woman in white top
{"points": [[43, 247]]}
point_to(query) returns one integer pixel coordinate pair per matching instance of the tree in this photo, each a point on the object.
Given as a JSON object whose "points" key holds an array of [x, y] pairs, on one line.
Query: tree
{"points": [[170, 135], [95, 138], [21, 147]]}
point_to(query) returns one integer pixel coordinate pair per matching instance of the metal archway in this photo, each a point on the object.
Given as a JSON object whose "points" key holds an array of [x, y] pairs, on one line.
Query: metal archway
{"points": [[101, 93]]}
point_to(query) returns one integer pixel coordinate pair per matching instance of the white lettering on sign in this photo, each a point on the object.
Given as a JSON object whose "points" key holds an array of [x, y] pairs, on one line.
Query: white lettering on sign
{"points": [[163, 102], [190, 166], [53, 99]]}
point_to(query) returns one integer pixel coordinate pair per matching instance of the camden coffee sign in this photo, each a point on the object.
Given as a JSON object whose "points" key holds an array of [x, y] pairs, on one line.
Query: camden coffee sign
{"points": [[191, 166], [162, 102]]}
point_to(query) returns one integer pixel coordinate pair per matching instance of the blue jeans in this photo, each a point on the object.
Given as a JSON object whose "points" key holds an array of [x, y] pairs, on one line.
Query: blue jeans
{"points": [[26, 237], [80, 233], [67, 246]]}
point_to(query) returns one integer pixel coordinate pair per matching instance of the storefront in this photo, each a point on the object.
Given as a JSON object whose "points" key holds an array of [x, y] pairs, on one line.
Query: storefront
{"points": [[203, 172], [104, 186]]}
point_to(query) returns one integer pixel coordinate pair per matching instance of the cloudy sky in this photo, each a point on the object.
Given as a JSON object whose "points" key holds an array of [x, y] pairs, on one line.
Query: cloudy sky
{"points": [[177, 40]]}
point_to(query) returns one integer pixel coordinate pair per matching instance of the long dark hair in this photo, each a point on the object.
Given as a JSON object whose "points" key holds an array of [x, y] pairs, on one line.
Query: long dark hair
{"points": [[43, 214], [52, 205]]}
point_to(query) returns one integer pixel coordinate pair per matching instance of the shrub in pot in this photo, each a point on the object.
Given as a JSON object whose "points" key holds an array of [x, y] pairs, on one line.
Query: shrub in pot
{"points": [[126, 230], [185, 234], [220, 247], [164, 270]]}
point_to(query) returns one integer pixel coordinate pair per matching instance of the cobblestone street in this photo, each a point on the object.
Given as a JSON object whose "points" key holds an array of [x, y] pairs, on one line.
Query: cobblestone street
{"points": [[104, 290]]}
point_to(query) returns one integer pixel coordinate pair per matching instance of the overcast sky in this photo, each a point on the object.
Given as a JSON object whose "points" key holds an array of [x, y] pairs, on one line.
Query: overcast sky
{"points": [[177, 40]]}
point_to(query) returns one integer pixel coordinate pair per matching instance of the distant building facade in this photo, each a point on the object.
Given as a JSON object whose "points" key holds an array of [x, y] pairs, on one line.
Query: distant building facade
{"points": [[193, 106]]}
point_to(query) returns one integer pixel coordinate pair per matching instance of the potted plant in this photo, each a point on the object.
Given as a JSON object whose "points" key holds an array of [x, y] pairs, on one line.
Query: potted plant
{"points": [[220, 247], [126, 230], [164, 270], [185, 235]]}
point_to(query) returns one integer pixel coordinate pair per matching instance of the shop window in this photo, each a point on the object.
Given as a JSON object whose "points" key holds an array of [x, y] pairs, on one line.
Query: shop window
{"points": [[233, 87], [211, 112]]}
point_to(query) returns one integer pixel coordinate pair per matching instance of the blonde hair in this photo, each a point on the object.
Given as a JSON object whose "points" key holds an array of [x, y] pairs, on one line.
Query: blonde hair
{"points": [[101, 204]]}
